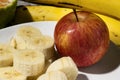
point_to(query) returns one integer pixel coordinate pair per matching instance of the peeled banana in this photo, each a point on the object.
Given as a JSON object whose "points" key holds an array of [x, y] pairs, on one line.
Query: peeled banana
{"points": [[28, 37], [53, 75], [29, 62], [6, 55], [110, 8], [66, 65], [9, 73], [23, 34]]}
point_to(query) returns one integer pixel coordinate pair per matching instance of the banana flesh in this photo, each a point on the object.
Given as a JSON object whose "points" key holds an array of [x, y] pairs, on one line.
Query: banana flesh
{"points": [[6, 55], [48, 47], [28, 37], [9, 73], [29, 62], [23, 34], [53, 75], [109, 8], [66, 65]]}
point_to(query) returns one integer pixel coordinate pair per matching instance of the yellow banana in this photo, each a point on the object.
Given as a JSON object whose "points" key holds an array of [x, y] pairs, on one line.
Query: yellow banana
{"points": [[38, 13], [114, 28], [110, 7], [49, 13]]}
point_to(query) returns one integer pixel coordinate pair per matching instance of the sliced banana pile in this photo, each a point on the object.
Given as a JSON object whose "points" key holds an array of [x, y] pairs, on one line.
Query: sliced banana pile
{"points": [[28, 37], [30, 55]]}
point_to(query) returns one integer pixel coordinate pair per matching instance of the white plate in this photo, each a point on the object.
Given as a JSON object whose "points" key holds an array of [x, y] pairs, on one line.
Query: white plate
{"points": [[107, 69]]}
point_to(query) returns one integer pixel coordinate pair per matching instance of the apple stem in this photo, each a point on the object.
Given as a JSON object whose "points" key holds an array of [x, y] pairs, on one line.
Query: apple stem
{"points": [[74, 10]]}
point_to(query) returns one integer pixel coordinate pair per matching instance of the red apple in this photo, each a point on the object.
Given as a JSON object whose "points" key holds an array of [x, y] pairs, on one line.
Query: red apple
{"points": [[85, 40]]}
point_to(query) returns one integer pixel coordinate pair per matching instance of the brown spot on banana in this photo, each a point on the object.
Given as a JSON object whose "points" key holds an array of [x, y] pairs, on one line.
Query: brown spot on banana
{"points": [[115, 35], [69, 4]]}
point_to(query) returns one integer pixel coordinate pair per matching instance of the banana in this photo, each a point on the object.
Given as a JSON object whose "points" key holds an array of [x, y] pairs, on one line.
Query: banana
{"points": [[9, 73], [46, 45], [114, 28], [28, 37], [6, 55], [29, 62], [53, 75], [47, 63], [26, 32], [110, 8], [38, 13], [66, 65]]}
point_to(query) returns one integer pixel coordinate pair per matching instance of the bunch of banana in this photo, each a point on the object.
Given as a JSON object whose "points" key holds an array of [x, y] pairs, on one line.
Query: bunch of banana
{"points": [[110, 8], [28, 37], [50, 13], [6, 55], [9, 73]]}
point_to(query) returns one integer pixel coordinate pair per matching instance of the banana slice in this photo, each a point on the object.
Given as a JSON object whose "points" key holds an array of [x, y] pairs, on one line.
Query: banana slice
{"points": [[23, 34], [46, 45], [9, 73], [31, 38], [29, 62], [53, 75], [66, 65], [28, 32], [6, 55], [43, 43], [47, 63]]}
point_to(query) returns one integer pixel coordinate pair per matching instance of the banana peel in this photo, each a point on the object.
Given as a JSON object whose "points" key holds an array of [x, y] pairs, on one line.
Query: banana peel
{"points": [[109, 8]]}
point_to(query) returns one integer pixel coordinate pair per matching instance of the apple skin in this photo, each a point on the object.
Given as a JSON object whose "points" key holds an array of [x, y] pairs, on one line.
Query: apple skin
{"points": [[85, 40]]}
